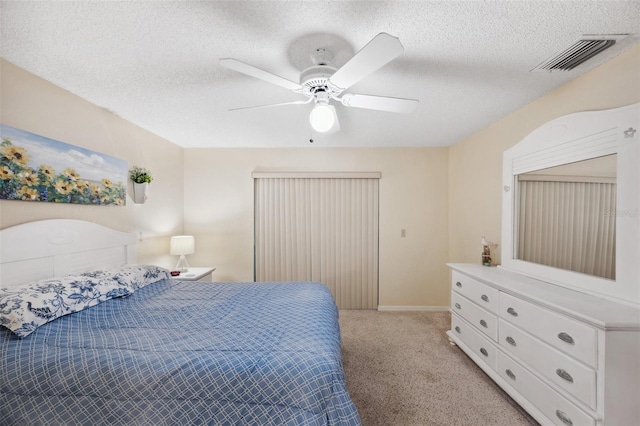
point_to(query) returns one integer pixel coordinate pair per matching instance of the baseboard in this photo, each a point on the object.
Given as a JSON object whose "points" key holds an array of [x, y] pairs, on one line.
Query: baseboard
{"points": [[413, 308]]}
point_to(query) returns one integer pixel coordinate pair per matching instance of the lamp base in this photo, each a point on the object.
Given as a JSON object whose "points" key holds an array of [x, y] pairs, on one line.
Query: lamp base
{"points": [[182, 264]]}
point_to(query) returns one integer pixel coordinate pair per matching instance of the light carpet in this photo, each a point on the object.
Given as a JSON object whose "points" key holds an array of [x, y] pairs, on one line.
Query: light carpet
{"points": [[401, 370]]}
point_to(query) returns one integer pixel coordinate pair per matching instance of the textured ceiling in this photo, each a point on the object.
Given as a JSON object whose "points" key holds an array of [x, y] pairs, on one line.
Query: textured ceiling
{"points": [[156, 63]]}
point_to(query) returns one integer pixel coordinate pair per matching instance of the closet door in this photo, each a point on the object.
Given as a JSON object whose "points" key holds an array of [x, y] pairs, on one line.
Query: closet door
{"points": [[319, 227]]}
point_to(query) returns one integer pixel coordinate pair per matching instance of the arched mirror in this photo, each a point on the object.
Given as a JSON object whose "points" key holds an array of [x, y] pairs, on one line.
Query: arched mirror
{"points": [[571, 203]]}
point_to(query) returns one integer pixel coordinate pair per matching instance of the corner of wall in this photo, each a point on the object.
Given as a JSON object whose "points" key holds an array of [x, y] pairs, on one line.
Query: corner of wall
{"points": [[60, 115], [475, 163]]}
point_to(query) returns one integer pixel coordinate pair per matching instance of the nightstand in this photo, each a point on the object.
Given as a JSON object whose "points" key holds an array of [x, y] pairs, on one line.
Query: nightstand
{"points": [[196, 274]]}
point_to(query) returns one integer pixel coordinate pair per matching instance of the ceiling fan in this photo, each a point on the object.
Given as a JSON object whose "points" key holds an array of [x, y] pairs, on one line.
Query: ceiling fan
{"points": [[322, 82]]}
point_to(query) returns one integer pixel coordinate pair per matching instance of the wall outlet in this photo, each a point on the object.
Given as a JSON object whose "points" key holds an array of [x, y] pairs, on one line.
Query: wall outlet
{"points": [[403, 233]]}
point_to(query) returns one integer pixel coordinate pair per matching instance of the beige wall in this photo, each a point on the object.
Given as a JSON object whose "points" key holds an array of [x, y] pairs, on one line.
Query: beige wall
{"points": [[446, 199], [413, 196], [475, 164], [35, 105]]}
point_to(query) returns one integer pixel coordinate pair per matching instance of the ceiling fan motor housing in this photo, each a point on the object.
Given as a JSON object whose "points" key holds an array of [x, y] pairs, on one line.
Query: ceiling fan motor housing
{"points": [[316, 79]]}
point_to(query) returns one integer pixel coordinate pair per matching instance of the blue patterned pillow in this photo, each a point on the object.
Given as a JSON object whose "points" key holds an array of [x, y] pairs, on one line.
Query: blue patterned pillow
{"points": [[25, 308], [132, 277]]}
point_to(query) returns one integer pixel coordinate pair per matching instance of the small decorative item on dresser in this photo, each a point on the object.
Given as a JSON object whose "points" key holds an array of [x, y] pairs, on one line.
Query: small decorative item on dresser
{"points": [[141, 179], [486, 251]]}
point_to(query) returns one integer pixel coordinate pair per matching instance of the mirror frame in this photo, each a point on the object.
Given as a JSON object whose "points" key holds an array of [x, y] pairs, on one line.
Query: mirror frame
{"points": [[568, 139]]}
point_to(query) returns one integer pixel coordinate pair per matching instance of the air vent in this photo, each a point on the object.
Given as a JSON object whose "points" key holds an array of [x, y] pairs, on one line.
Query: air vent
{"points": [[580, 51]]}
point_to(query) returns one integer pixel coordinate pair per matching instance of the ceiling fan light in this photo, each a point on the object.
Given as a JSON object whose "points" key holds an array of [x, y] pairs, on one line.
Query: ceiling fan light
{"points": [[322, 118]]}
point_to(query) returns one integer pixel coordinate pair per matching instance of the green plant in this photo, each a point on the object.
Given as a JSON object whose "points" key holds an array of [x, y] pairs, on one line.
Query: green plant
{"points": [[140, 175]]}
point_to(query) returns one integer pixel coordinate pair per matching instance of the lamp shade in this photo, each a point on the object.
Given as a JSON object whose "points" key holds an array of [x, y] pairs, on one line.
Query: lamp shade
{"points": [[322, 117], [183, 244]]}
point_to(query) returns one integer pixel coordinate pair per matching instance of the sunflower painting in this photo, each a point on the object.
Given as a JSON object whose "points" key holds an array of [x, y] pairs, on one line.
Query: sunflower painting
{"points": [[36, 168]]}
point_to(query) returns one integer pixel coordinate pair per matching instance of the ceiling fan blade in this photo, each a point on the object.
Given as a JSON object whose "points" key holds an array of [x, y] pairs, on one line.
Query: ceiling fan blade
{"points": [[381, 103], [274, 105], [381, 50], [247, 69]]}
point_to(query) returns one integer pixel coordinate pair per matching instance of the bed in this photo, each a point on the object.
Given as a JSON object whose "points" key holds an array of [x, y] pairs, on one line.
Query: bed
{"points": [[157, 350]]}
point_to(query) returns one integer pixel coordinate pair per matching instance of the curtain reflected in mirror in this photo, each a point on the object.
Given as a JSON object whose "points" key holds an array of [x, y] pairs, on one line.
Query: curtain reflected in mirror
{"points": [[566, 217]]}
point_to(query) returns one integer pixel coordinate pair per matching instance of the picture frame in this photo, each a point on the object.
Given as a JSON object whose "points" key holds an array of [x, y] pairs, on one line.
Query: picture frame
{"points": [[38, 168]]}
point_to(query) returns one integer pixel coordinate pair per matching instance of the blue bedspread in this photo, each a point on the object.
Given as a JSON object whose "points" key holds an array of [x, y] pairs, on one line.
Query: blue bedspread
{"points": [[177, 353]]}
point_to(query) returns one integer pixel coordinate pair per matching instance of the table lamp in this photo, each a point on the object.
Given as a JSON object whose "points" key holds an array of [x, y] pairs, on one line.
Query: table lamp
{"points": [[182, 245]]}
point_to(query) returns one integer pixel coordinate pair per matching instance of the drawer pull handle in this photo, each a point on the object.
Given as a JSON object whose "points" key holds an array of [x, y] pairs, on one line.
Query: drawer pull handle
{"points": [[564, 418], [566, 338], [510, 374], [484, 297], [458, 306], [563, 374], [484, 352], [510, 341], [483, 323], [458, 329], [459, 284], [512, 312]]}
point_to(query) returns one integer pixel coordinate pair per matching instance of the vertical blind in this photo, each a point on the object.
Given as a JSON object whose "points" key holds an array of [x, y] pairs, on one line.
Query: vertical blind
{"points": [[569, 225], [319, 229]]}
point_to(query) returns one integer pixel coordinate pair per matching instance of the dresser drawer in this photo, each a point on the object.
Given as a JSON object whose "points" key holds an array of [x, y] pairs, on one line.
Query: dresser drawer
{"points": [[482, 294], [478, 343], [557, 408], [484, 321], [571, 337], [564, 371]]}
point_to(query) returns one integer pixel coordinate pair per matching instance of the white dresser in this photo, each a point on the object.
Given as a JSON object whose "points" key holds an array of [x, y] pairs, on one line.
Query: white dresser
{"points": [[566, 357]]}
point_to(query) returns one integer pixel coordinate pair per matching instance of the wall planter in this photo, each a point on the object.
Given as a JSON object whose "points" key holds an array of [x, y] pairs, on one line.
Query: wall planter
{"points": [[140, 192], [141, 179]]}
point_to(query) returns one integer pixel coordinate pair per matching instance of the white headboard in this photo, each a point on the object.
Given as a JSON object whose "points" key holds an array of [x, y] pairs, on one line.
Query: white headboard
{"points": [[57, 247]]}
